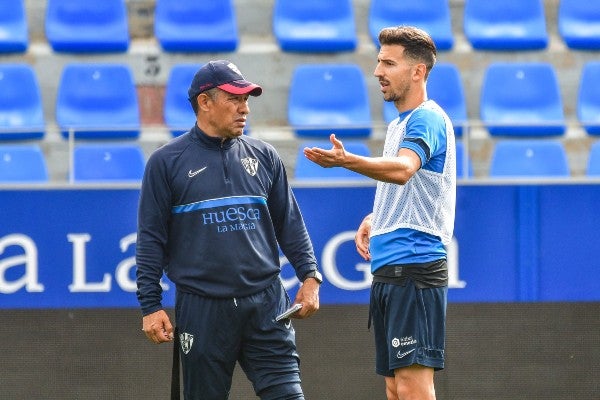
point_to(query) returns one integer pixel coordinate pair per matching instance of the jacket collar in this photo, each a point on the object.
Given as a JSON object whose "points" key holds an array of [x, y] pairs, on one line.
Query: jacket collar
{"points": [[209, 141]]}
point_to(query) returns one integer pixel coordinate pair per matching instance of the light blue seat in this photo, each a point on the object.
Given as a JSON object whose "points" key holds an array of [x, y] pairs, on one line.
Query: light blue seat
{"points": [[22, 163], [308, 170], [505, 25], [97, 100], [433, 16], [14, 37], [314, 25], [178, 113], [588, 98], [529, 158], [108, 162], [445, 87], [390, 112], [579, 23], [522, 99], [77, 26], [462, 157], [21, 110], [329, 98], [593, 165], [196, 26]]}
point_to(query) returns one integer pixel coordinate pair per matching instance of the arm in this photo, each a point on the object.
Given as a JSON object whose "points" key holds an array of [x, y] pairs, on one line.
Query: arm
{"points": [[294, 240], [386, 169], [153, 216]]}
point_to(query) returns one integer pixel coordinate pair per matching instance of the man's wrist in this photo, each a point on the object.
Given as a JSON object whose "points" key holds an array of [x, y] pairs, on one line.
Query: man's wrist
{"points": [[316, 275]]}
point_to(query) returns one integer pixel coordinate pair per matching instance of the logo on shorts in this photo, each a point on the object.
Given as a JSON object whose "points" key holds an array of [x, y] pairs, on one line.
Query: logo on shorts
{"points": [[187, 341], [402, 355], [403, 341]]}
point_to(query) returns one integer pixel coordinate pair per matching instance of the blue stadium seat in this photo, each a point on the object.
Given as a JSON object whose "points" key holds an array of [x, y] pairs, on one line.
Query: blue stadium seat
{"points": [[505, 25], [433, 16], [593, 165], [444, 85], [196, 26], [14, 37], [108, 162], [76, 26], [588, 99], [178, 113], [97, 101], [522, 99], [529, 158], [329, 98], [461, 158], [314, 25], [579, 24], [22, 163], [21, 110], [308, 170], [390, 112]]}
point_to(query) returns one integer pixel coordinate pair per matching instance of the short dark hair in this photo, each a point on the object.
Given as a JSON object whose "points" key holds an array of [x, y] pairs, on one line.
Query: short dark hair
{"points": [[417, 43], [212, 93]]}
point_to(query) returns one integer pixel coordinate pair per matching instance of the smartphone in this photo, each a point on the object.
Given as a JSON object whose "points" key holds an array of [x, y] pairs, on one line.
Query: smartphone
{"points": [[289, 312]]}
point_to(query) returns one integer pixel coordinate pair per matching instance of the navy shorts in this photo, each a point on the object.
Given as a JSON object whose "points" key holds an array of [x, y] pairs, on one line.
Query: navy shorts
{"points": [[216, 333], [409, 326]]}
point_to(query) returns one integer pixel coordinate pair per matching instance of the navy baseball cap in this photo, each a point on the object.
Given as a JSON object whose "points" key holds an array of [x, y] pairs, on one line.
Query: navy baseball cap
{"points": [[224, 75]]}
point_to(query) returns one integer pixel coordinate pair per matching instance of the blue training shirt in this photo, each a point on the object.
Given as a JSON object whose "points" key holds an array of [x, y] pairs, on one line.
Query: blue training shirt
{"points": [[426, 136]]}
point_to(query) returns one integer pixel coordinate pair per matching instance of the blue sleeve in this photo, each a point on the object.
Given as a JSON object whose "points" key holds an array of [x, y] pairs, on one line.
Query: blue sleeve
{"points": [[154, 213], [426, 136], [288, 222]]}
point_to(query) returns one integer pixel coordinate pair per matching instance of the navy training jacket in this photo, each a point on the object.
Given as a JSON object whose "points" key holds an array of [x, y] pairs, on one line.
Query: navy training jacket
{"points": [[212, 214]]}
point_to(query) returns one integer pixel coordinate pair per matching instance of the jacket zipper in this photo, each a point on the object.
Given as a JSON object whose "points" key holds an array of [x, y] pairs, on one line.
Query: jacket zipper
{"points": [[225, 170]]}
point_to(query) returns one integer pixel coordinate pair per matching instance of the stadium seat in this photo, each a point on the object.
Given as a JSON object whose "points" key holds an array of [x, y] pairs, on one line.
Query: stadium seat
{"points": [[22, 163], [14, 37], [314, 25], [522, 99], [21, 109], [588, 99], [579, 24], [529, 158], [461, 158], [196, 26], [593, 165], [76, 26], [505, 25], [108, 162], [97, 101], [433, 16], [390, 112], [308, 170], [444, 85], [178, 113], [329, 98]]}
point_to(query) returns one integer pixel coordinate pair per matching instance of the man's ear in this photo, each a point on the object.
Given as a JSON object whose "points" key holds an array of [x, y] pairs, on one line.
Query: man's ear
{"points": [[419, 72], [202, 100]]}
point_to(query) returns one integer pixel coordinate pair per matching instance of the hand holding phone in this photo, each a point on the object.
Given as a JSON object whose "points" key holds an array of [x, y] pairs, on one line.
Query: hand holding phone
{"points": [[288, 312]]}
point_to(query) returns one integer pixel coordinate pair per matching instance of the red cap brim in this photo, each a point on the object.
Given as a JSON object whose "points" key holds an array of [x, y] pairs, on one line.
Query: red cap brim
{"points": [[241, 87]]}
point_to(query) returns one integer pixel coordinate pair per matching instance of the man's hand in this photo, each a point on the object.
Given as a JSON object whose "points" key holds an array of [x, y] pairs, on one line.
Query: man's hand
{"points": [[362, 238], [308, 295], [157, 327], [328, 158]]}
